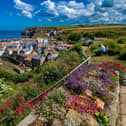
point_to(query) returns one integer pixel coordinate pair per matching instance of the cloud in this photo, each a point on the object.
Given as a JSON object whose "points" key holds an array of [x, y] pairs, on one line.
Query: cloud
{"points": [[75, 12], [25, 8], [51, 6], [71, 9]]}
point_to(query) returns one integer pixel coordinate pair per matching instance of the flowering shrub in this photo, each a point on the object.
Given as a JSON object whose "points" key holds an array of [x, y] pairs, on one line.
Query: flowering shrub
{"points": [[82, 104], [75, 83], [18, 107], [79, 85], [105, 76], [5, 88], [58, 97], [115, 66]]}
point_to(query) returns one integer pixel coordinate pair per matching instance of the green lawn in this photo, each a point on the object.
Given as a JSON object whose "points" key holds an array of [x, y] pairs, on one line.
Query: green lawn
{"points": [[106, 58]]}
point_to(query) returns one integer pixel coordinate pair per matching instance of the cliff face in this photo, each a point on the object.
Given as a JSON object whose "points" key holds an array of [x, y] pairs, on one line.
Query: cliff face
{"points": [[32, 31]]}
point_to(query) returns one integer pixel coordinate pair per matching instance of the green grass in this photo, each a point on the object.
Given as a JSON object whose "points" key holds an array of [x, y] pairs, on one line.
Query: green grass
{"points": [[7, 66], [106, 58]]}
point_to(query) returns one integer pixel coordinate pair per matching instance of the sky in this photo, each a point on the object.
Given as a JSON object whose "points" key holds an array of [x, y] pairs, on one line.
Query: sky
{"points": [[19, 14]]}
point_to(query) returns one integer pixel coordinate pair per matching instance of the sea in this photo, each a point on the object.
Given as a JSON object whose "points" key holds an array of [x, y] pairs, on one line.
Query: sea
{"points": [[10, 34]]}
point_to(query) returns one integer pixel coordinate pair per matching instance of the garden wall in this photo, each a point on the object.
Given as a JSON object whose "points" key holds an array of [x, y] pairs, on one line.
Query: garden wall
{"points": [[113, 109]]}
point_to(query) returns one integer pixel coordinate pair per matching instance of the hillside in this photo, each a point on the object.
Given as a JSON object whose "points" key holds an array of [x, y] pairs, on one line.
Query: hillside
{"points": [[32, 31], [39, 31]]}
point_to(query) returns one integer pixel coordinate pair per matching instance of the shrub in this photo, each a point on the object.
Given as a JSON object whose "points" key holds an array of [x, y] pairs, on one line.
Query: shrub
{"points": [[102, 119], [59, 38], [52, 76], [54, 70], [16, 78], [122, 40], [58, 97], [100, 34], [111, 35], [74, 37], [122, 56], [113, 48], [78, 48], [86, 35]]}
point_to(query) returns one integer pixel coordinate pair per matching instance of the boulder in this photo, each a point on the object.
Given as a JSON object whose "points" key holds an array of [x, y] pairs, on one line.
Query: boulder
{"points": [[56, 122], [72, 114], [100, 103]]}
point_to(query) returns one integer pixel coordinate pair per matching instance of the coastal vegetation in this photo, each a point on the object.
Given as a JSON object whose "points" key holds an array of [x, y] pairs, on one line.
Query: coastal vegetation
{"points": [[17, 90], [28, 85]]}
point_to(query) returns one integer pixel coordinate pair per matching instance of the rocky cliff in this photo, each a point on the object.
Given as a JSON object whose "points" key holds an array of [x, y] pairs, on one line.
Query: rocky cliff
{"points": [[34, 31]]}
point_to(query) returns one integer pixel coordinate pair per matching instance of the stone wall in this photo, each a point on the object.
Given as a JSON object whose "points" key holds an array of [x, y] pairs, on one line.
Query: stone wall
{"points": [[113, 109]]}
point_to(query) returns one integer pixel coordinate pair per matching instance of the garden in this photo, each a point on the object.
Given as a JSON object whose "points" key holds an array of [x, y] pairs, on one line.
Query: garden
{"points": [[85, 99], [18, 90]]}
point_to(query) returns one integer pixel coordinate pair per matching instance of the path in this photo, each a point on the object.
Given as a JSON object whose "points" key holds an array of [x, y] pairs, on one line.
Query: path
{"points": [[84, 48], [28, 120], [123, 106]]}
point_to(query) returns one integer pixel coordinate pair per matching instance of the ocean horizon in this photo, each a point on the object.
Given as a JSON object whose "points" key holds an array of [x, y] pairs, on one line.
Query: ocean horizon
{"points": [[10, 34]]}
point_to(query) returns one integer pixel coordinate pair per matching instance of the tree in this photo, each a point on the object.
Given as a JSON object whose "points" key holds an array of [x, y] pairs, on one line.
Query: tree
{"points": [[74, 37], [86, 35]]}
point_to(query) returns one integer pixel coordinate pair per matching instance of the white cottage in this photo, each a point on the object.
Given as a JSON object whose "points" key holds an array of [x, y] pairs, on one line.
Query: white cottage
{"points": [[43, 41]]}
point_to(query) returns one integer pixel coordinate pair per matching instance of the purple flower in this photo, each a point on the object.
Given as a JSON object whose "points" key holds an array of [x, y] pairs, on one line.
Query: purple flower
{"points": [[105, 78], [100, 92]]}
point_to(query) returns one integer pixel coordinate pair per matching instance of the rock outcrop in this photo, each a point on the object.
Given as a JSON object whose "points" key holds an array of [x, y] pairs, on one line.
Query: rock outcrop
{"points": [[32, 31]]}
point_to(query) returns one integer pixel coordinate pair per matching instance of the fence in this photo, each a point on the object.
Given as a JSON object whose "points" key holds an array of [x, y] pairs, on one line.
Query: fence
{"points": [[58, 83]]}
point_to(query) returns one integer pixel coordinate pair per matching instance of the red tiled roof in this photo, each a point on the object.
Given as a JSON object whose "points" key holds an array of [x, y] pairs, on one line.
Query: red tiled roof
{"points": [[51, 52], [39, 46], [28, 58], [7, 43], [60, 42], [67, 45], [9, 49], [34, 53]]}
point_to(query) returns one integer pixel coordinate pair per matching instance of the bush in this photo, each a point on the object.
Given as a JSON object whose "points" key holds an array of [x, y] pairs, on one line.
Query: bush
{"points": [[16, 78], [78, 48], [112, 47], [58, 97], [100, 34], [52, 71], [59, 38], [122, 40], [122, 56], [74, 37], [86, 35], [111, 35], [102, 119]]}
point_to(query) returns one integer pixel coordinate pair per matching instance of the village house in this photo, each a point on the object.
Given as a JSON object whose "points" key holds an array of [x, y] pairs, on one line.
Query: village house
{"points": [[43, 41]]}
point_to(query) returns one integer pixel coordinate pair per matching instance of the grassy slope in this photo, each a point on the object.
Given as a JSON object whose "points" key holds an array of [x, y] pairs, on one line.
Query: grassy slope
{"points": [[120, 29]]}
